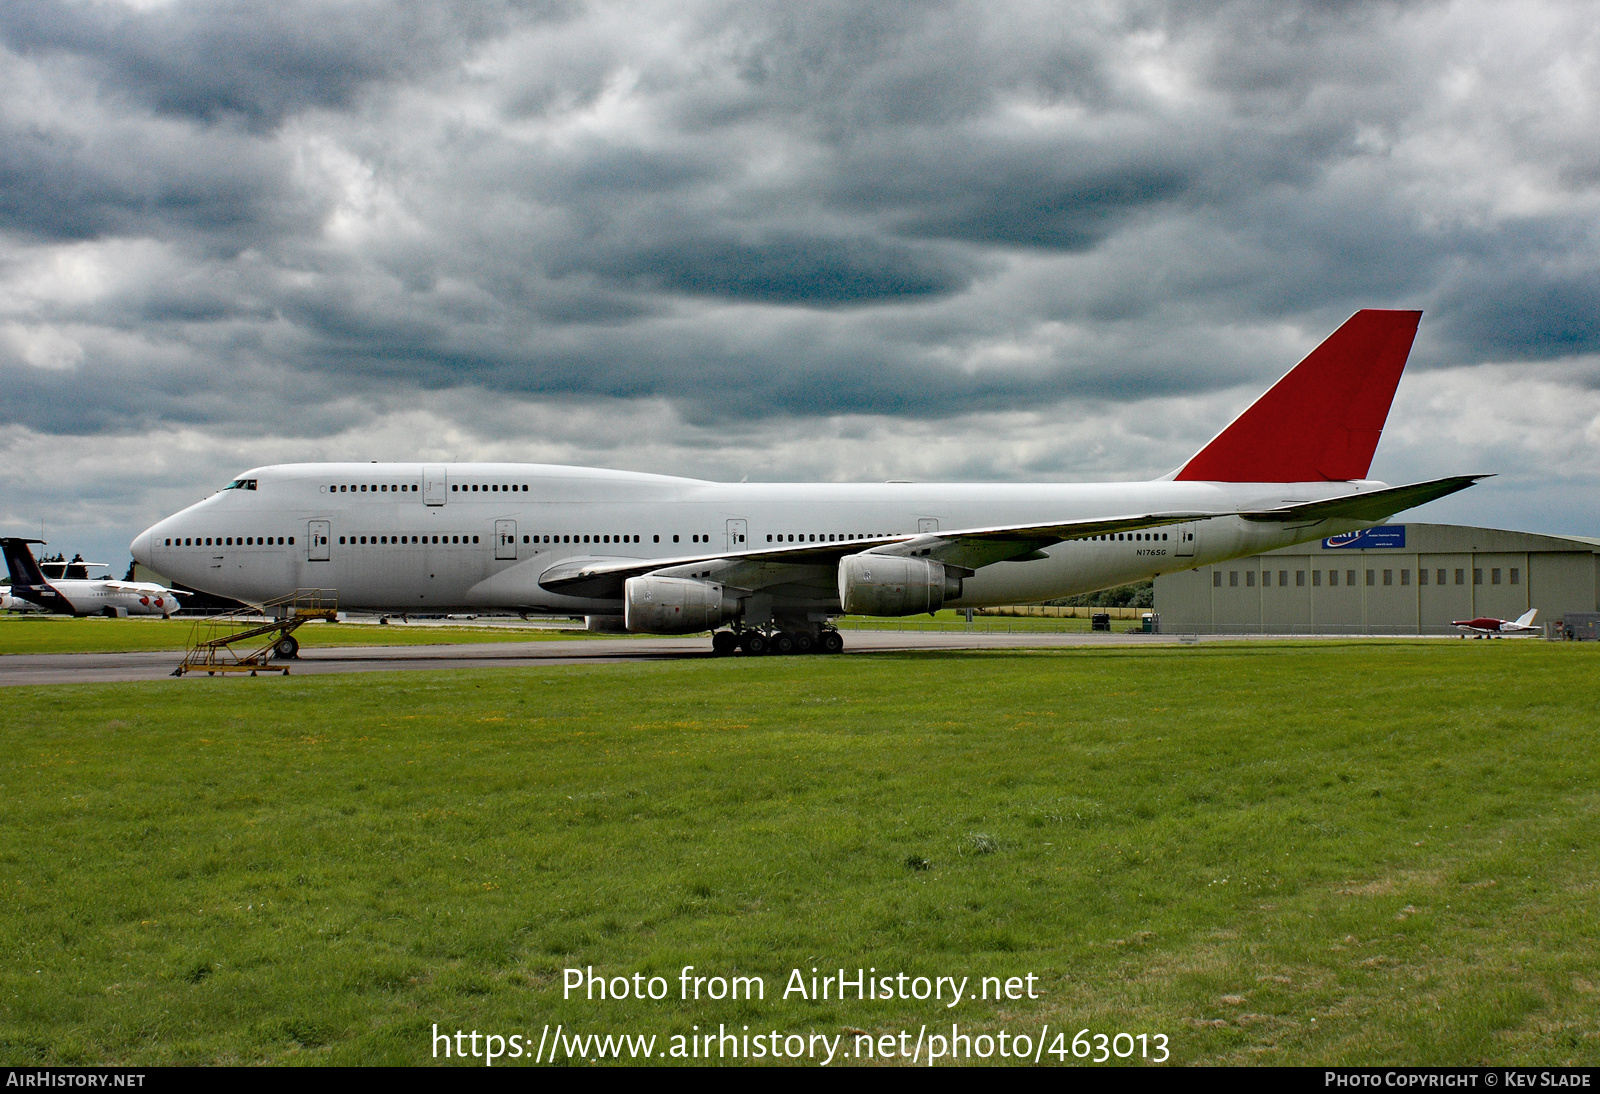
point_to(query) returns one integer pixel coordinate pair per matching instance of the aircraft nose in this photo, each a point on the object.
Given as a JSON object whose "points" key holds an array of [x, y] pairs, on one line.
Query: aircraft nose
{"points": [[142, 543]]}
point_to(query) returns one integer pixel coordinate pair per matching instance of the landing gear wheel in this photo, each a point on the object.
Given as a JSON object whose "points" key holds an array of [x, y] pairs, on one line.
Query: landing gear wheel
{"points": [[832, 642], [804, 643], [783, 642], [286, 648], [724, 643], [753, 642]]}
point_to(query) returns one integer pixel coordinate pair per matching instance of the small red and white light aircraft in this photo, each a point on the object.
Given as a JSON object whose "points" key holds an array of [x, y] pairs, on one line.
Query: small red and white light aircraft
{"points": [[1489, 625]]}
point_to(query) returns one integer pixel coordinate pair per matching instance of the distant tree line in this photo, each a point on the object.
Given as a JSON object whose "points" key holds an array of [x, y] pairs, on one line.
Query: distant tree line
{"points": [[1141, 594]]}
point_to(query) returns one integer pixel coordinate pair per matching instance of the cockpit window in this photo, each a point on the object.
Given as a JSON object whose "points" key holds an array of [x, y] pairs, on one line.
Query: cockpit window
{"points": [[241, 484]]}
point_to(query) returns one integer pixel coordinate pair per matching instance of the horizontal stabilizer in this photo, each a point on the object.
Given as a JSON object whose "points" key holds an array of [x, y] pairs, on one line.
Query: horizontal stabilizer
{"points": [[1374, 505]]}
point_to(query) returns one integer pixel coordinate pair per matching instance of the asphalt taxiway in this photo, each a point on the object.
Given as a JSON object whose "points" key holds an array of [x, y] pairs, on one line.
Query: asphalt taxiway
{"points": [[99, 668]]}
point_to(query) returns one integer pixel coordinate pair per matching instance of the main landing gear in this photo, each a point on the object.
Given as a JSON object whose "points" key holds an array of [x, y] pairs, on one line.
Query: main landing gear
{"points": [[777, 640]]}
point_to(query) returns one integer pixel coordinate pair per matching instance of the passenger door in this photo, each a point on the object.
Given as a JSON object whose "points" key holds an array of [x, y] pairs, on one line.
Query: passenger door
{"points": [[505, 540], [1186, 541], [435, 485], [317, 549], [736, 535]]}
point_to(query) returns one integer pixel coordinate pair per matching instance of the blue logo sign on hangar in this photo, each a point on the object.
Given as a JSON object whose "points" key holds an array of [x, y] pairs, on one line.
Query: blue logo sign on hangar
{"points": [[1385, 535]]}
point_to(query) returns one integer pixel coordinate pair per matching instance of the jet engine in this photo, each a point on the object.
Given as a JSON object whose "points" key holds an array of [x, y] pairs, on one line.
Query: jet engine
{"points": [[675, 605], [892, 585]]}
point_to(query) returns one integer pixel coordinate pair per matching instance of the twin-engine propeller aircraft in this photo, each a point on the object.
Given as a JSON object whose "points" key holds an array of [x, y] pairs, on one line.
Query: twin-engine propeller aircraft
{"points": [[1489, 625], [77, 593], [774, 563]]}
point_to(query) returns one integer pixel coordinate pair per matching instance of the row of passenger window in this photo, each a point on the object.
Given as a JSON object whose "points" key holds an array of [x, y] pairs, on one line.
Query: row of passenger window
{"points": [[409, 487], [228, 541], [819, 537], [373, 488], [1440, 577], [1135, 537], [397, 540]]}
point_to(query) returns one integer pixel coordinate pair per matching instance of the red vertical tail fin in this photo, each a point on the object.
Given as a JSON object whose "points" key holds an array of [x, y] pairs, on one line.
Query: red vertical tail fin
{"points": [[1322, 421]]}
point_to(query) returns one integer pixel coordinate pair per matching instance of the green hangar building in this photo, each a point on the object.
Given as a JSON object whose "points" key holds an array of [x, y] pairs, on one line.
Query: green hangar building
{"points": [[1395, 579]]}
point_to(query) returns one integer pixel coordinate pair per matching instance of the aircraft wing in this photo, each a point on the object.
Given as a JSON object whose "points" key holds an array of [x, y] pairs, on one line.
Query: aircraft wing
{"points": [[1376, 505], [967, 549], [143, 587]]}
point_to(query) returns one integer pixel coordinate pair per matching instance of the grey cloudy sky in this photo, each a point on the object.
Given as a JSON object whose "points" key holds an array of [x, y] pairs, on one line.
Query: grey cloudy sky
{"points": [[838, 241]]}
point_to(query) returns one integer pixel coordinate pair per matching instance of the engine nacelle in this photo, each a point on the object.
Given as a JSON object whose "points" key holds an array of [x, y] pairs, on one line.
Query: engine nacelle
{"points": [[675, 605], [894, 585]]}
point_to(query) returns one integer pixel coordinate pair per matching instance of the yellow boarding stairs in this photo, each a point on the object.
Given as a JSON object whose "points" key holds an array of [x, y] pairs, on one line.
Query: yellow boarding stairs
{"points": [[242, 641]]}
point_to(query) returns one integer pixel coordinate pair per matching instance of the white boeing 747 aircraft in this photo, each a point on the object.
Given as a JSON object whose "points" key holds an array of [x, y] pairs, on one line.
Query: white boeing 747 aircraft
{"points": [[773, 563]]}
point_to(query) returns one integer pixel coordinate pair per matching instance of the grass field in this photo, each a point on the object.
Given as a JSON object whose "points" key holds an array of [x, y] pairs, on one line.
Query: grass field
{"points": [[1278, 853]]}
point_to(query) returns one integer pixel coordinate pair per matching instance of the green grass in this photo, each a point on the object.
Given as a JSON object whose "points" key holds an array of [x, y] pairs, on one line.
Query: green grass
{"points": [[1279, 853], [61, 634]]}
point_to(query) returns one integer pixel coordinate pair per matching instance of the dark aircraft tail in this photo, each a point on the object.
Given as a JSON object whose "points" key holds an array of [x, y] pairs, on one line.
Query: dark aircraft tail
{"points": [[27, 580], [1322, 421], [25, 572]]}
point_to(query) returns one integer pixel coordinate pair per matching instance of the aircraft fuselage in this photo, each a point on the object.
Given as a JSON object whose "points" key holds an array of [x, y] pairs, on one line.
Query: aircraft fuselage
{"points": [[435, 538]]}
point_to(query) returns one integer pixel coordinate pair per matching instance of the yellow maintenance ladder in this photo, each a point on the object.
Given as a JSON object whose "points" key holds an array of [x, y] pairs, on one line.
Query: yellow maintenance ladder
{"points": [[244, 641]]}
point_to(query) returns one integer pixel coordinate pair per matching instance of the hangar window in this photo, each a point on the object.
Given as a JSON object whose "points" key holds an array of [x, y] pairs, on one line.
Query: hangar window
{"points": [[1405, 577], [1440, 576], [1494, 576], [1216, 579], [1422, 577], [1349, 577], [1516, 576], [1461, 577], [1372, 577], [1477, 577], [1250, 579], [1316, 578], [1283, 578], [1233, 579], [1388, 578], [1333, 578], [1299, 579]]}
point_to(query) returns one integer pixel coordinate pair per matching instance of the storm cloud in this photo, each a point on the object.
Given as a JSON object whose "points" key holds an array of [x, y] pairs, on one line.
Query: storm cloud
{"points": [[893, 229]]}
